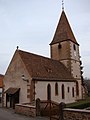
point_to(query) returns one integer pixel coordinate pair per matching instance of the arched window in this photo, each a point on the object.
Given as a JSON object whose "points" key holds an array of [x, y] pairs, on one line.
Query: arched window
{"points": [[68, 89], [63, 91], [72, 91], [77, 88], [56, 88], [48, 92]]}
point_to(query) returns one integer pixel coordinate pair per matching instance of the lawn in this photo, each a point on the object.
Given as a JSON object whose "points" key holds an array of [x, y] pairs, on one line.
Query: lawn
{"points": [[82, 104]]}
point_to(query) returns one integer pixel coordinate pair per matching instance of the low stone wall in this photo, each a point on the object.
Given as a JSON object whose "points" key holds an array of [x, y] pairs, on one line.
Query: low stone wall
{"points": [[25, 110], [65, 113], [76, 114]]}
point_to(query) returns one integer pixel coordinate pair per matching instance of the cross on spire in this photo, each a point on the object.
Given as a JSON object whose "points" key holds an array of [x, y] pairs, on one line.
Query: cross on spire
{"points": [[63, 5]]}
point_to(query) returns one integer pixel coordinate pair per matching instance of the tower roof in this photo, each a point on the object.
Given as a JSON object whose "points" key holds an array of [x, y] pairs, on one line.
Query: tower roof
{"points": [[63, 31]]}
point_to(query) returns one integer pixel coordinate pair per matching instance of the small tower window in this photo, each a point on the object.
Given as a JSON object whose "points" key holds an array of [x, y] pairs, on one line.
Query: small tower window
{"points": [[59, 46], [74, 47]]}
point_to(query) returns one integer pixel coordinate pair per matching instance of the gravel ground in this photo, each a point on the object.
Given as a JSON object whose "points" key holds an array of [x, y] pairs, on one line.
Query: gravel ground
{"points": [[9, 114]]}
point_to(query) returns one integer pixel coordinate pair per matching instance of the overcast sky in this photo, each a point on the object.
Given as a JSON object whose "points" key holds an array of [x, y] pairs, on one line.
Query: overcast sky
{"points": [[30, 24]]}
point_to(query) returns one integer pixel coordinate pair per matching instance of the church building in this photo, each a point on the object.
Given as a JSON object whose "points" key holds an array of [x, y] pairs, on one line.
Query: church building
{"points": [[58, 78]]}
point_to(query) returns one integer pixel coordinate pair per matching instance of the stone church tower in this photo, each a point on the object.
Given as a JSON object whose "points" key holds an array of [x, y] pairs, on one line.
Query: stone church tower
{"points": [[65, 48]]}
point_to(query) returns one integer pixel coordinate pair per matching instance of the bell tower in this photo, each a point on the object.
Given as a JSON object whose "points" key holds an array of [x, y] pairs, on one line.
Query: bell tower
{"points": [[65, 49]]}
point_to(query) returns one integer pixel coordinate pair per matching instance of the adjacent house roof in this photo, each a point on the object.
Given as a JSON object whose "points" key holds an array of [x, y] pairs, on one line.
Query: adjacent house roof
{"points": [[40, 67], [11, 91], [1, 80], [63, 31]]}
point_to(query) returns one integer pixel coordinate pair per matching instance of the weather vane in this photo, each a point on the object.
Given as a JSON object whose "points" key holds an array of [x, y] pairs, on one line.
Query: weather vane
{"points": [[62, 4]]}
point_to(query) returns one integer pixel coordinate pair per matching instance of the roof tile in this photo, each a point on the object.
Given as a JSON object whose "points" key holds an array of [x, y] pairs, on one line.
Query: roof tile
{"points": [[43, 67]]}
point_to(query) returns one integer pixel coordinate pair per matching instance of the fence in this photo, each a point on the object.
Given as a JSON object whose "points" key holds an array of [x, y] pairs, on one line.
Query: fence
{"points": [[50, 108]]}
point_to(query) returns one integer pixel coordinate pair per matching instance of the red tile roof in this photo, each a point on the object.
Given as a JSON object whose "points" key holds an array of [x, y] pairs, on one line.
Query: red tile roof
{"points": [[44, 68], [63, 31], [1, 80]]}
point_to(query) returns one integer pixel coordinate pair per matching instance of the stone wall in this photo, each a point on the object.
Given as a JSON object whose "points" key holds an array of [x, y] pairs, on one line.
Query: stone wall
{"points": [[27, 110], [65, 114], [76, 114]]}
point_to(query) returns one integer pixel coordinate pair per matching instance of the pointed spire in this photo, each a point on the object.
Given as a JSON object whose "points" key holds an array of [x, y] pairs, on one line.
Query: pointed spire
{"points": [[63, 31], [62, 5]]}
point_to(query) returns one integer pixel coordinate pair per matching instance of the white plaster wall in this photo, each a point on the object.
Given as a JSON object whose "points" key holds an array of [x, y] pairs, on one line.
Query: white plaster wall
{"points": [[41, 91]]}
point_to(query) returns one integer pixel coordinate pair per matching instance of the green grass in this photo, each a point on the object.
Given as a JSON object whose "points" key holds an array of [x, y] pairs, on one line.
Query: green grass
{"points": [[80, 104]]}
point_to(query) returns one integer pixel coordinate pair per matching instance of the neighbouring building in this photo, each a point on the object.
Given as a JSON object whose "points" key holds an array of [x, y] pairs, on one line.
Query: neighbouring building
{"points": [[59, 78], [87, 85], [1, 86]]}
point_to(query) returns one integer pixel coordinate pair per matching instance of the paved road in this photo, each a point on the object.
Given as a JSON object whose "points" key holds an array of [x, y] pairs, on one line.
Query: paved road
{"points": [[8, 114]]}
